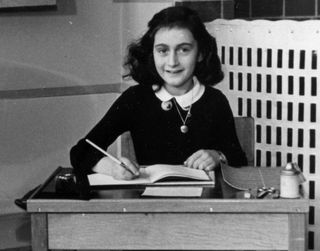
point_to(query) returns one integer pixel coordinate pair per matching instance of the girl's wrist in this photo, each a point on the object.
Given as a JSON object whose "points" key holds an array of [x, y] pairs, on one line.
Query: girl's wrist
{"points": [[222, 158]]}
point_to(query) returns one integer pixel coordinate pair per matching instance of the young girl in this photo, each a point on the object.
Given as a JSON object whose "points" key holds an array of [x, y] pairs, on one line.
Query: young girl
{"points": [[173, 114]]}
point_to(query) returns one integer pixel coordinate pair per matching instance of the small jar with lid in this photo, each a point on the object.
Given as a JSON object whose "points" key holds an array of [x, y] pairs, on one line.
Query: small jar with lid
{"points": [[289, 181]]}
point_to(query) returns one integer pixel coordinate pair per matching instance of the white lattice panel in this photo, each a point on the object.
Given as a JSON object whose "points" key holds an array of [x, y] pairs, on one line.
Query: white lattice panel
{"points": [[272, 73]]}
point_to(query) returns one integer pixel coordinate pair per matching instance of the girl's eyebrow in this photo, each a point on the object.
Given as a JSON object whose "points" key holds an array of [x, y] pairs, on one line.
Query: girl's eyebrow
{"points": [[178, 45]]}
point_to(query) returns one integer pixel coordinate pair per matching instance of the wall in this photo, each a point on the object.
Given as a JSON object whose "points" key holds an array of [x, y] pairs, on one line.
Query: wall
{"points": [[78, 45], [78, 42]]}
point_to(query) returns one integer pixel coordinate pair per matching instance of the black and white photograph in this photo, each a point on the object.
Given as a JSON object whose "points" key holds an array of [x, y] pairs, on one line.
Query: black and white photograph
{"points": [[159, 125]]}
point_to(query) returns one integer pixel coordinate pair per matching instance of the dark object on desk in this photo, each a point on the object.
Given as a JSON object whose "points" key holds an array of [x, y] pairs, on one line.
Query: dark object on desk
{"points": [[65, 183], [61, 184], [22, 202], [70, 185]]}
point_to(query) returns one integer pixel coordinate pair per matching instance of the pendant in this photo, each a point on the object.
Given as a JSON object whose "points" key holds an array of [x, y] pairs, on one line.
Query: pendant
{"points": [[166, 105], [184, 129]]}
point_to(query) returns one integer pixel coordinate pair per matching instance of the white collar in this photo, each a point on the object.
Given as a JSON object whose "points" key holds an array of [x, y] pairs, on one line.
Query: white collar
{"points": [[186, 99]]}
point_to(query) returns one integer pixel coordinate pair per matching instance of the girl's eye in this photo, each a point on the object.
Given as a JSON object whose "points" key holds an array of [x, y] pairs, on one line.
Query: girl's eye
{"points": [[162, 51], [184, 50]]}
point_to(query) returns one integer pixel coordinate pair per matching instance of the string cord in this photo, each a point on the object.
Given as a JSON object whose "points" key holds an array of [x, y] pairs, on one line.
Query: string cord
{"points": [[262, 179], [189, 110], [188, 113]]}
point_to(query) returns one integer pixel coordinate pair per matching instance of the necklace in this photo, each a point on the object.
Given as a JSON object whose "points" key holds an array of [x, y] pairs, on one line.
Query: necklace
{"points": [[184, 128]]}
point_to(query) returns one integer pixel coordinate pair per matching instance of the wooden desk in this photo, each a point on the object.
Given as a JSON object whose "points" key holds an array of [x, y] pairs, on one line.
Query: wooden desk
{"points": [[122, 220]]}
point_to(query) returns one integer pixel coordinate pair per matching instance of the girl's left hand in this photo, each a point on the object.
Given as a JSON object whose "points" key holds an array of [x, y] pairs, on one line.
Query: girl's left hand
{"points": [[207, 160]]}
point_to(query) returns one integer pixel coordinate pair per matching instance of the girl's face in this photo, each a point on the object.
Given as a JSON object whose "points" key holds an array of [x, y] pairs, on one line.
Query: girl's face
{"points": [[176, 53]]}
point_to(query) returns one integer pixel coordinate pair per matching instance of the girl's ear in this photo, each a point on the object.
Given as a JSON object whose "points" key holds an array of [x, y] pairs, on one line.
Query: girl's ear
{"points": [[200, 57]]}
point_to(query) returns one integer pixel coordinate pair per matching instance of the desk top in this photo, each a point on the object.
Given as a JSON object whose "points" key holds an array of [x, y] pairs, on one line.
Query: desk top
{"points": [[221, 198]]}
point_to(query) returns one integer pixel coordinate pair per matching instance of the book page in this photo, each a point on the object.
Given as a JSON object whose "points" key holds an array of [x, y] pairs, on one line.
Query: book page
{"points": [[98, 179], [150, 174], [173, 191], [160, 171]]}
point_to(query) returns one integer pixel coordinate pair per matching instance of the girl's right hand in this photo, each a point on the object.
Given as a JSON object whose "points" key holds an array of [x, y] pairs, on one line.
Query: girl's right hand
{"points": [[110, 167]]}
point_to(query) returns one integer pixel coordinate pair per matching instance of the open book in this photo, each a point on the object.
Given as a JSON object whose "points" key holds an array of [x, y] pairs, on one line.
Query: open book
{"points": [[159, 174]]}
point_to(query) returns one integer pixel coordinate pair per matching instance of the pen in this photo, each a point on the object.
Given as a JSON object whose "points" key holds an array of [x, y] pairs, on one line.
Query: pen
{"points": [[110, 156]]}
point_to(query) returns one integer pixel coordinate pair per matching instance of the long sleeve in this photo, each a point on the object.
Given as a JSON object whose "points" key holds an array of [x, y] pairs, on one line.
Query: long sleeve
{"points": [[230, 145], [83, 156]]}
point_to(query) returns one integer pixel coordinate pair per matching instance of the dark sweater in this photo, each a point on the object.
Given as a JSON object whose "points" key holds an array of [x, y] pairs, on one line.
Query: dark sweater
{"points": [[156, 133]]}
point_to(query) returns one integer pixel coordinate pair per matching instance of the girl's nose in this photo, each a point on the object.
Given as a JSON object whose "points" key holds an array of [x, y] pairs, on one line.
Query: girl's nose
{"points": [[173, 59]]}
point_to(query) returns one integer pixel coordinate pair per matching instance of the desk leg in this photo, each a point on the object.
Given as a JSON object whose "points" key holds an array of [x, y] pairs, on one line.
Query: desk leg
{"points": [[39, 231], [298, 239]]}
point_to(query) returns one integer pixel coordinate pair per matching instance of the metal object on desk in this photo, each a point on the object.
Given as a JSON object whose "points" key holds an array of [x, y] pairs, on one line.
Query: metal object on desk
{"points": [[268, 193], [259, 193]]}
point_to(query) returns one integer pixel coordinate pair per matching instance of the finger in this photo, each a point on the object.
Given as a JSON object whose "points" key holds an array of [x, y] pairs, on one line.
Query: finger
{"points": [[131, 166], [202, 161], [189, 162], [204, 164], [122, 173], [209, 165]]}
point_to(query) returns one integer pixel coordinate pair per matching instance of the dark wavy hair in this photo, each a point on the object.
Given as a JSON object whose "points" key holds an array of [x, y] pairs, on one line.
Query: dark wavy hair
{"points": [[139, 62]]}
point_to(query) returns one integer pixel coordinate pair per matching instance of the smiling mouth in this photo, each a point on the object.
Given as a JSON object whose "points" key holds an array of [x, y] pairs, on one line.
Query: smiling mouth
{"points": [[173, 72]]}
